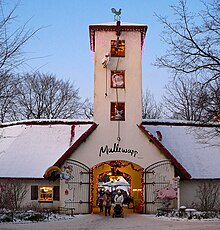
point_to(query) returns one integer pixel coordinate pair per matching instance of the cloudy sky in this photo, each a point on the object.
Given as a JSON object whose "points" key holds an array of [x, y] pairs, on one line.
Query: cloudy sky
{"points": [[62, 46]]}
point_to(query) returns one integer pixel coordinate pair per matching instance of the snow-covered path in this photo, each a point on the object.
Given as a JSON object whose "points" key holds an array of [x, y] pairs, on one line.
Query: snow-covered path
{"points": [[129, 222]]}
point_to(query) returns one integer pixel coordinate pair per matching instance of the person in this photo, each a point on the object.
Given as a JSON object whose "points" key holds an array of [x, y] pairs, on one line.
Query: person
{"points": [[119, 198], [107, 202], [101, 204], [130, 200]]}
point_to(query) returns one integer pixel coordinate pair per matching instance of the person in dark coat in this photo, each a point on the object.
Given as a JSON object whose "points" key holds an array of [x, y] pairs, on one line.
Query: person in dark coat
{"points": [[107, 202]]}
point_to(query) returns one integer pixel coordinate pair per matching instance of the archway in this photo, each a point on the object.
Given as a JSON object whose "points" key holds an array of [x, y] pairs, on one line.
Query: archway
{"points": [[105, 173]]}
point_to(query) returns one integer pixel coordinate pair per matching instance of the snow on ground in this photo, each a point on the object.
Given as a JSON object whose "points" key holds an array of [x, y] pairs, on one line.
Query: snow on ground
{"points": [[130, 221]]}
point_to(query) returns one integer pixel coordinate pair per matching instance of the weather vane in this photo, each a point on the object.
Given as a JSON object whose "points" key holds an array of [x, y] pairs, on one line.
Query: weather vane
{"points": [[117, 14]]}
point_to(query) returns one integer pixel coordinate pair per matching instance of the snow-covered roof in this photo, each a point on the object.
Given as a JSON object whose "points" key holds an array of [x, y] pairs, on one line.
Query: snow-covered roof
{"points": [[28, 148], [190, 144]]}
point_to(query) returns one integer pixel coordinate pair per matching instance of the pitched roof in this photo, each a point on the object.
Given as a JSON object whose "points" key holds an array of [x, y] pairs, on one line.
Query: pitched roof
{"points": [[28, 148], [188, 145]]}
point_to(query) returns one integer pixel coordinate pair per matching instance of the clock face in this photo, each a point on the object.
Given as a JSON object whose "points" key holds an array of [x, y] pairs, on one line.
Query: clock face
{"points": [[118, 79]]}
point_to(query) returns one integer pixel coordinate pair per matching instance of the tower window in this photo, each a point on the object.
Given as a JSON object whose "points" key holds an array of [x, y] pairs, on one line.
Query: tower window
{"points": [[118, 79], [118, 48], [117, 111]]}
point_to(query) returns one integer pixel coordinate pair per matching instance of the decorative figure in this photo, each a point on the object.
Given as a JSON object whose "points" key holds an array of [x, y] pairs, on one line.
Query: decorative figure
{"points": [[118, 114], [167, 193], [52, 173], [105, 60], [67, 173], [117, 14], [117, 80]]}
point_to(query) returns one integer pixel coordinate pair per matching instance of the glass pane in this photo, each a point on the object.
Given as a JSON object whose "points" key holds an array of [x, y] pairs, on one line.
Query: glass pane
{"points": [[46, 193]]}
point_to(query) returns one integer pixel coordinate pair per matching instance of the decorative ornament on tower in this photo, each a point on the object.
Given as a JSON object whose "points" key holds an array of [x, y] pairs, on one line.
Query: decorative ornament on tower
{"points": [[117, 14], [105, 60]]}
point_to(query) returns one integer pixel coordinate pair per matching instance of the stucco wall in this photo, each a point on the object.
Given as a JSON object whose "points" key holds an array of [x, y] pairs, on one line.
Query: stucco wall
{"points": [[188, 191], [132, 65], [27, 202], [89, 152]]}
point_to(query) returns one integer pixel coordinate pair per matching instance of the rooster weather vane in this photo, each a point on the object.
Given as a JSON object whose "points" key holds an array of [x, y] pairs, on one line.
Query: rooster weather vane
{"points": [[117, 14]]}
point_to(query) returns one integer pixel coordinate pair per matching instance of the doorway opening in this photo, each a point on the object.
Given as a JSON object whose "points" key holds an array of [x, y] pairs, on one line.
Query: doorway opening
{"points": [[114, 175]]}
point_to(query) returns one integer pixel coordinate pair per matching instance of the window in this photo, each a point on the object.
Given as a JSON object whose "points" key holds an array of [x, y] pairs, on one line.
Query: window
{"points": [[118, 48], [118, 79], [117, 111], [46, 193]]}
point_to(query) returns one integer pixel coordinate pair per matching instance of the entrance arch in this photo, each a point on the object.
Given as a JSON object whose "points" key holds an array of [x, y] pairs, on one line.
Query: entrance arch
{"points": [[110, 170]]}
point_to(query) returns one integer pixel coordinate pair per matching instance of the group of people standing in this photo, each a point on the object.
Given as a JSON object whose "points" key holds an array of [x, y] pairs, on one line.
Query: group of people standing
{"points": [[105, 201]]}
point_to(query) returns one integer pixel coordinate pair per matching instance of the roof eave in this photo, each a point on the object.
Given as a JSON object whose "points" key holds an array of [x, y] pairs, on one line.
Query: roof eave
{"points": [[93, 28]]}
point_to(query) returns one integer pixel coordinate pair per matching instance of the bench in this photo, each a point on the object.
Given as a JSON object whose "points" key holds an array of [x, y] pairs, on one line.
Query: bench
{"points": [[163, 211], [66, 210]]}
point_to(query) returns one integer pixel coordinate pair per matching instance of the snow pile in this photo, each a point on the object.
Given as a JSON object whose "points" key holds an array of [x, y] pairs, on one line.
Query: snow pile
{"points": [[188, 214], [31, 216]]}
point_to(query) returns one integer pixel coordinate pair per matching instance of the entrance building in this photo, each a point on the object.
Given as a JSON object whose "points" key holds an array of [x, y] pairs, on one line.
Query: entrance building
{"points": [[65, 164], [117, 147]]}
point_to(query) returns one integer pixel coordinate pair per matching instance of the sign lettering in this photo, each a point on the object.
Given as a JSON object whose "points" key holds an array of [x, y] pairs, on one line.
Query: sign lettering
{"points": [[116, 149]]}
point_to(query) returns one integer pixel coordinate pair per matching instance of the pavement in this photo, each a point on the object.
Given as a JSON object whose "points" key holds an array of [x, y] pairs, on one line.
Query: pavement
{"points": [[129, 222]]}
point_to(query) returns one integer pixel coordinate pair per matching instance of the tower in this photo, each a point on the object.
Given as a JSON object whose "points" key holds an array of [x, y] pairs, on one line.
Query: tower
{"points": [[117, 51]]}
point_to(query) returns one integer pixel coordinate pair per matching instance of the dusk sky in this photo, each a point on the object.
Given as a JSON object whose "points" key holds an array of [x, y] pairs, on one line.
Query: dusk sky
{"points": [[62, 46]]}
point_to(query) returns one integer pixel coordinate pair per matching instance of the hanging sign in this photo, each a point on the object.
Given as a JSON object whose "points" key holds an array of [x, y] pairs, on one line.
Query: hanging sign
{"points": [[116, 149]]}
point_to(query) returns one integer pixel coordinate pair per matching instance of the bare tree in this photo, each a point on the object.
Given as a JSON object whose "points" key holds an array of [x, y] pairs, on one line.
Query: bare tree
{"points": [[12, 194], [87, 108], [186, 99], [150, 109], [193, 41], [12, 40], [44, 96], [7, 95], [209, 196], [213, 107]]}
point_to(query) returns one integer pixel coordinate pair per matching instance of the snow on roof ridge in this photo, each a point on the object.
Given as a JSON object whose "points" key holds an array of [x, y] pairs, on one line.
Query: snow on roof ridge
{"points": [[114, 23], [49, 121], [178, 122]]}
